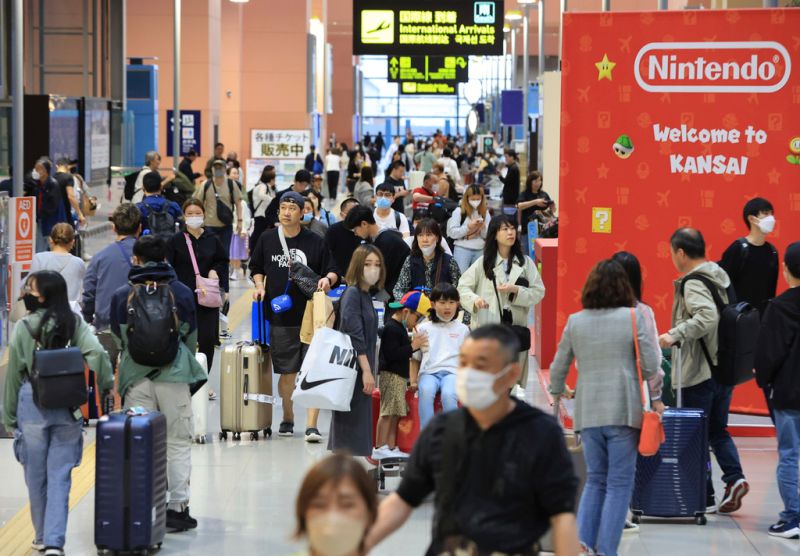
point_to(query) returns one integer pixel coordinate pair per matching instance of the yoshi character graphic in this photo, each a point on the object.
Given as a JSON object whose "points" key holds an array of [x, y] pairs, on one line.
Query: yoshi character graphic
{"points": [[623, 147], [794, 148]]}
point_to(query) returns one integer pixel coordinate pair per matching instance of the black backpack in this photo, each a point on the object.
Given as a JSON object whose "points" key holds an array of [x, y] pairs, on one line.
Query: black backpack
{"points": [[737, 330], [153, 327], [441, 209], [160, 222]]}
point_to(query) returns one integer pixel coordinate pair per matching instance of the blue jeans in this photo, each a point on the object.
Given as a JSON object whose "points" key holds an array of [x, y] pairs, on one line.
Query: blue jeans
{"points": [[610, 454], [429, 385], [787, 424], [48, 443], [465, 257], [715, 401]]}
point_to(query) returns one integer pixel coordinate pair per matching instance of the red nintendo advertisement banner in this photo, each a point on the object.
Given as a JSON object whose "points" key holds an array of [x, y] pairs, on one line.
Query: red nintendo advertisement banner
{"points": [[675, 119]]}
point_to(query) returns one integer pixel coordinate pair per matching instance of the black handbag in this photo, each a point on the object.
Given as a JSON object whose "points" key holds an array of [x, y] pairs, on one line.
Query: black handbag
{"points": [[522, 333], [224, 212], [57, 376], [301, 274]]}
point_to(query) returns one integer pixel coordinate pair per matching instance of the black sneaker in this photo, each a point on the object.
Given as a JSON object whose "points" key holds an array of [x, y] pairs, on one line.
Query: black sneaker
{"points": [[286, 429], [313, 436], [711, 504], [180, 521]]}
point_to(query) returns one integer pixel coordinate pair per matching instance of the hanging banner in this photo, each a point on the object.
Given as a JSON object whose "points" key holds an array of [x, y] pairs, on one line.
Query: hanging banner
{"points": [[671, 119]]}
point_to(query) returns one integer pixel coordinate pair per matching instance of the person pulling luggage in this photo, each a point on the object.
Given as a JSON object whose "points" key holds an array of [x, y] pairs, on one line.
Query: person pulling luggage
{"points": [[154, 321], [48, 440]]}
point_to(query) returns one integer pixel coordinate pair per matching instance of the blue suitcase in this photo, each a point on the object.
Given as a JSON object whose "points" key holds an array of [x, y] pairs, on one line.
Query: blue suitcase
{"points": [[130, 504], [259, 325], [672, 483]]}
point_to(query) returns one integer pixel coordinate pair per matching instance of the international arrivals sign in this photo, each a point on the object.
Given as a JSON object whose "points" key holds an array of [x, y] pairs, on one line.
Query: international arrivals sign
{"points": [[441, 27], [672, 119]]}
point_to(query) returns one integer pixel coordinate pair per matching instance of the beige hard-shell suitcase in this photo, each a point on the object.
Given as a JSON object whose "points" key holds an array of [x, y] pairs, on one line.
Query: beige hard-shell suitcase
{"points": [[245, 391]]}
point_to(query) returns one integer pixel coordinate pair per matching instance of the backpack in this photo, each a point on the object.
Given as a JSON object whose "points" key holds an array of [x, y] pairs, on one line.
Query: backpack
{"points": [[160, 222], [153, 328], [130, 185], [441, 209], [737, 330], [317, 166]]}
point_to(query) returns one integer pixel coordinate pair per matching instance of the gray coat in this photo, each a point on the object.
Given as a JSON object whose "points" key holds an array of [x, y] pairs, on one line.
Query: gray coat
{"points": [[601, 341]]}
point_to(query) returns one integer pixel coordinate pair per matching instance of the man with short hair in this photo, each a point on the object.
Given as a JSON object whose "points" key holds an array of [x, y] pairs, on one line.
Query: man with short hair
{"points": [[166, 388], [397, 171], [269, 268], [496, 492], [301, 183], [219, 151], [221, 189], [66, 182], [49, 202], [425, 195], [185, 166], [778, 371], [107, 272], [154, 204], [361, 221], [450, 167], [695, 320], [385, 215], [152, 162], [511, 181], [342, 242]]}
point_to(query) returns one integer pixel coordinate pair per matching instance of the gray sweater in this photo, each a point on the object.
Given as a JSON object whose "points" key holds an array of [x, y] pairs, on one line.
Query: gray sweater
{"points": [[601, 342]]}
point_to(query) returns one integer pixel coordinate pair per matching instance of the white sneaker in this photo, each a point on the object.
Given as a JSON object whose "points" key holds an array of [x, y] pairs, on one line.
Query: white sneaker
{"points": [[37, 546], [397, 453], [518, 392], [381, 453]]}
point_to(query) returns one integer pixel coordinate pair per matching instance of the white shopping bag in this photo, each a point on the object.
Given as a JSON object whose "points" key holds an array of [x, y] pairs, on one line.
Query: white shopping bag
{"points": [[328, 374]]}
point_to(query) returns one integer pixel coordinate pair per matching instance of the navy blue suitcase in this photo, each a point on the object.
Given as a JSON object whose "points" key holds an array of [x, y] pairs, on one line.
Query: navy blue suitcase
{"points": [[130, 504]]}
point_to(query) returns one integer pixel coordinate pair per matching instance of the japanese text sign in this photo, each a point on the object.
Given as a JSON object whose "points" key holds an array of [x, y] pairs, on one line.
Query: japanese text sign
{"points": [[190, 131], [282, 144]]}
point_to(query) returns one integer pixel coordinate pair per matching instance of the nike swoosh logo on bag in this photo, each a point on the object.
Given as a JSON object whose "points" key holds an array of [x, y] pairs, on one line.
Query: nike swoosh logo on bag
{"points": [[306, 385]]}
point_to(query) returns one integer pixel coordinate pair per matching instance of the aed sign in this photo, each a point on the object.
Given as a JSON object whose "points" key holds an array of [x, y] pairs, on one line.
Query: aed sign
{"points": [[428, 69], [454, 27], [22, 217]]}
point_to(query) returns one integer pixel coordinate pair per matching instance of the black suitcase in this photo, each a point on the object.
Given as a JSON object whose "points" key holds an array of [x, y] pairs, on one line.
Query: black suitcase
{"points": [[672, 483], [130, 504]]}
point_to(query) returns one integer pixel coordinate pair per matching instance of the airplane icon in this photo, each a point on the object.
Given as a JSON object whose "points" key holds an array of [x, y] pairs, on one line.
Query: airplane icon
{"points": [[384, 25]]}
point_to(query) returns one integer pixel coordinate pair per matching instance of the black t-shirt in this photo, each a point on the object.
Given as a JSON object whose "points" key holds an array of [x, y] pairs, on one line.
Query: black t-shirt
{"points": [[395, 252], [526, 195], [395, 348], [753, 270], [342, 243], [508, 482], [64, 180], [268, 259], [511, 185]]}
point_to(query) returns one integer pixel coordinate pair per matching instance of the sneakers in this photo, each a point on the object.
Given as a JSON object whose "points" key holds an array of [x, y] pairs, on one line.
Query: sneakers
{"points": [[630, 527], [711, 504], [382, 452], [225, 335], [37, 546], [286, 429], [53, 551], [785, 530], [179, 521], [734, 493], [211, 395], [313, 436], [398, 453]]}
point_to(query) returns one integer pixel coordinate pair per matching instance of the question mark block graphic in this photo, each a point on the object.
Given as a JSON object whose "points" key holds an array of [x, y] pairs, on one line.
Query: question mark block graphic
{"points": [[601, 220]]}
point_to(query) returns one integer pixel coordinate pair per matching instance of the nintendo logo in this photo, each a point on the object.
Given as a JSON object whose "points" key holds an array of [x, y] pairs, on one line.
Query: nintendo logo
{"points": [[713, 67]]}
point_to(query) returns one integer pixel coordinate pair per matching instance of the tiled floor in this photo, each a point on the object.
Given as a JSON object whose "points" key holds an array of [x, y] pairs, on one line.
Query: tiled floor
{"points": [[243, 496]]}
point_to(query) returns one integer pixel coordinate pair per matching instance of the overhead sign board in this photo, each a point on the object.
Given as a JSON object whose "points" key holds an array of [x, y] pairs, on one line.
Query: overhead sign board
{"points": [[190, 131], [454, 27], [417, 88], [280, 144], [428, 69]]}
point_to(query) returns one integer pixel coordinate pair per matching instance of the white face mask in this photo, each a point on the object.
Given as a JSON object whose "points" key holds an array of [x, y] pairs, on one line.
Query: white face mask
{"points": [[767, 224], [334, 534], [372, 274], [427, 251], [194, 222], [475, 203], [475, 388], [35, 175]]}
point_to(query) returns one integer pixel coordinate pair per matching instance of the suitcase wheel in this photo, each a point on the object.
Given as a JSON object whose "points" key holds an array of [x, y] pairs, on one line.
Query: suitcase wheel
{"points": [[268, 433], [200, 439], [700, 519], [636, 518], [237, 436], [223, 435], [254, 435]]}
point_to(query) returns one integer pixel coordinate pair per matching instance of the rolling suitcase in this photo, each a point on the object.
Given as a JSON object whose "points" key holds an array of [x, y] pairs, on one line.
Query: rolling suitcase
{"points": [[200, 406], [673, 482], [246, 391], [130, 501]]}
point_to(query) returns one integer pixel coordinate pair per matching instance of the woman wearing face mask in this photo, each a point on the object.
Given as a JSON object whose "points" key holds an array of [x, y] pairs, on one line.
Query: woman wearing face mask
{"points": [[212, 262], [48, 442], [427, 264], [262, 196], [503, 285], [352, 430], [310, 219], [59, 259], [608, 404], [336, 506], [325, 217], [468, 227]]}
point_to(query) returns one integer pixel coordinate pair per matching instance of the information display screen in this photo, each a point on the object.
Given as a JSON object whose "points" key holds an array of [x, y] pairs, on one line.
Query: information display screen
{"points": [[428, 69], [436, 27]]}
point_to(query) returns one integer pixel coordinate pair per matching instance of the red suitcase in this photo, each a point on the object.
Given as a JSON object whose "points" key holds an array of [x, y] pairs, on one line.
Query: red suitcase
{"points": [[408, 428]]}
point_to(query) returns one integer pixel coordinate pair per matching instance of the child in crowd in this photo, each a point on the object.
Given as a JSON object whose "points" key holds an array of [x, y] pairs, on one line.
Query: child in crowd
{"points": [[396, 351], [437, 368]]}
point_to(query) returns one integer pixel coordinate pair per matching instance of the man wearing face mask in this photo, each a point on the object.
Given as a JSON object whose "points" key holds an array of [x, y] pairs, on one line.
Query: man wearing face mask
{"points": [[397, 171], [50, 208], [496, 491], [222, 201], [385, 215], [361, 222]]}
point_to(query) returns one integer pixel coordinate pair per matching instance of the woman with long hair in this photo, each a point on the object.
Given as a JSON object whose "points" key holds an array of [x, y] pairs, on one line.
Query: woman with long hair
{"points": [[468, 227], [262, 194], [59, 259], [364, 190], [352, 430], [427, 264], [238, 249], [503, 285], [608, 399], [48, 442]]}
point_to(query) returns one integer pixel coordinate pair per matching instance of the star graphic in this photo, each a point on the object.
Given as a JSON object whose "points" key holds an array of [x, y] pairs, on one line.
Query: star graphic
{"points": [[774, 176], [602, 171], [604, 68]]}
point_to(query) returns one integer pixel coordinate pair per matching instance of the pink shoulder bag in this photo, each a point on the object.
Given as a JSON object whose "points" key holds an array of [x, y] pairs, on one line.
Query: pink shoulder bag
{"points": [[208, 294]]}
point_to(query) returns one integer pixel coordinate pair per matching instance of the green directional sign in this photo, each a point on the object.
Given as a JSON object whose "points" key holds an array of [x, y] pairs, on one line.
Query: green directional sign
{"points": [[428, 69]]}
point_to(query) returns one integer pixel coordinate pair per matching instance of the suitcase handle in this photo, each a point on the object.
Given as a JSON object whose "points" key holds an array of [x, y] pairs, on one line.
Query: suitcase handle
{"points": [[246, 381]]}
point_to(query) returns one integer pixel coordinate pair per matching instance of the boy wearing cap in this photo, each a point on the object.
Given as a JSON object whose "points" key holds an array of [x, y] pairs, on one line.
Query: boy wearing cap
{"points": [[395, 354], [778, 371], [269, 266]]}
